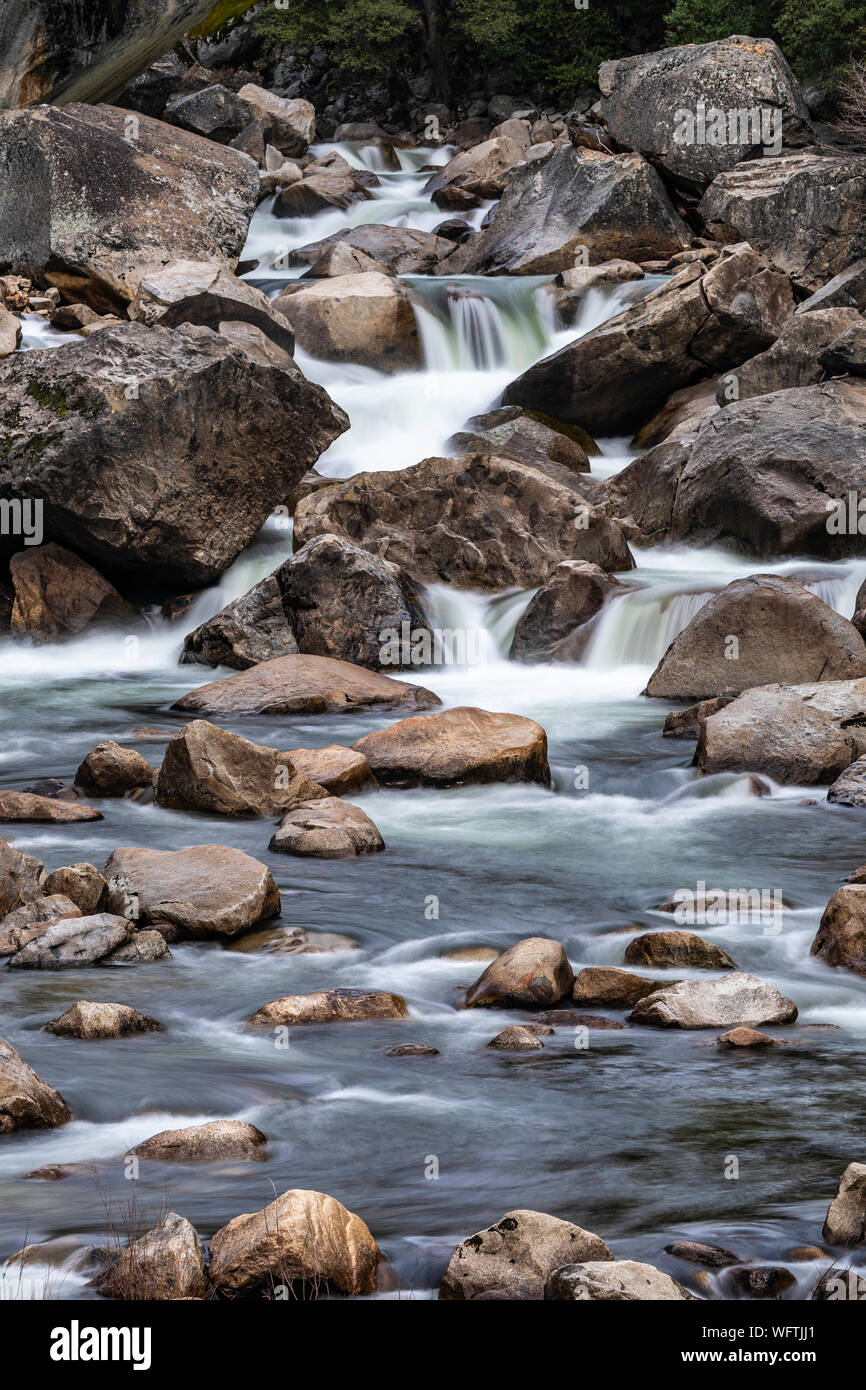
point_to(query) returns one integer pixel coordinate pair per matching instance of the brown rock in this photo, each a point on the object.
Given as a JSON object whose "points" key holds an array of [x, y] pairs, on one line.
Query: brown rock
{"points": [[841, 936], [26, 1101], [747, 1037], [327, 829], [111, 770], [620, 1281], [557, 623], [762, 1281], [697, 1253], [166, 1263], [23, 806], [533, 973], [365, 318], [516, 1039], [304, 685], [91, 1020], [30, 919], [514, 1258], [204, 891], [218, 1140], [206, 768], [677, 948], [58, 595], [142, 947], [331, 1006], [458, 746], [82, 883], [412, 1050], [570, 1018], [845, 1223], [21, 875], [338, 769], [249, 630], [608, 987]]}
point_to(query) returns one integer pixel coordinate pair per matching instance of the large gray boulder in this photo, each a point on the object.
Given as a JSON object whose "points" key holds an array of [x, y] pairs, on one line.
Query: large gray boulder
{"points": [[770, 475], [739, 92], [470, 521], [202, 292], [399, 250], [513, 1258], [735, 998], [611, 205], [758, 630], [92, 194], [701, 321], [73, 942], [149, 461], [366, 317], [806, 212]]}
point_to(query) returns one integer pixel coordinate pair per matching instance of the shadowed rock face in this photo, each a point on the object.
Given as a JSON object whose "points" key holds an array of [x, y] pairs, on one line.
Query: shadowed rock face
{"points": [[26, 1101], [88, 50]]}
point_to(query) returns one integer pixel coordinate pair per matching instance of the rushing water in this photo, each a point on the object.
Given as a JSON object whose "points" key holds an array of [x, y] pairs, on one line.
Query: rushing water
{"points": [[628, 1137]]}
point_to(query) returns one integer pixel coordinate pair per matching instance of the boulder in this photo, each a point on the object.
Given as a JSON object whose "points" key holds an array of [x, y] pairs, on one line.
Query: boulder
{"points": [[204, 891], [771, 476], [806, 212], [72, 942], [680, 415], [724, 1003], [342, 259], [458, 746], [698, 1253], [847, 290], [58, 595], [746, 1037], [111, 770], [249, 630], [330, 1006], [399, 250], [620, 1281], [799, 734], [846, 1215], [781, 632], [214, 112], [574, 204], [216, 1141], [366, 318], [201, 292], [532, 974], [30, 919], [10, 332], [557, 623], [485, 169], [609, 988], [24, 806], [329, 829], [26, 1101], [90, 1020], [569, 288], [206, 768], [697, 109], [841, 936], [846, 354], [340, 601], [320, 192], [86, 208], [797, 358], [82, 883], [849, 789], [304, 685], [526, 437], [470, 521], [143, 947], [290, 124], [166, 1263], [514, 1258], [339, 770], [305, 1240], [682, 949], [615, 377], [516, 1039], [22, 875], [118, 429]]}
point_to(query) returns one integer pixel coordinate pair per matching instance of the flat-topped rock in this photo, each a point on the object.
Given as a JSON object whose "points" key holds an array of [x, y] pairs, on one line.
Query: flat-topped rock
{"points": [[24, 806], [217, 1140], [331, 1006], [608, 987], [304, 685], [458, 746], [338, 769], [677, 948], [204, 891], [73, 942], [724, 1003], [327, 829], [620, 1281]]}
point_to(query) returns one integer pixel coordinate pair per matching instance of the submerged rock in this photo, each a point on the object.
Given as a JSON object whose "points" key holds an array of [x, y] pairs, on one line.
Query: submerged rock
{"points": [[533, 973], [204, 891], [698, 1253], [26, 1101], [513, 1259], [327, 829], [97, 1020], [331, 1006], [215, 1141], [456, 747], [304, 685], [516, 1039], [747, 1037]]}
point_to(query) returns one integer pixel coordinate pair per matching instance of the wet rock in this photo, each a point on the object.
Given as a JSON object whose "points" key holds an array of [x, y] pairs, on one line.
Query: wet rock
{"points": [[26, 1101], [200, 292], [614, 206], [570, 287], [620, 1281], [804, 211], [761, 1281], [533, 973], [111, 770], [841, 937], [845, 1223], [412, 1050], [57, 1172], [516, 1039], [644, 98], [570, 1018], [206, 768], [249, 630], [30, 919], [687, 723], [53, 787], [329, 829], [799, 357], [782, 633], [343, 259], [797, 734], [366, 318], [677, 948], [110, 457], [608, 987], [331, 1006], [82, 883], [204, 891], [513, 1259], [339, 770], [24, 806], [97, 1020], [400, 250], [469, 521], [290, 125], [166, 195], [456, 747], [304, 685], [166, 1263], [216, 1141], [21, 874], [305, 1240], [58, 595], [72, 942], [724, 1003], [142, 948], [557, 623], [747, 1037], [700, 322], [485, 170], [319, 191], [696, 1252], [526, 437], [849, 789]]}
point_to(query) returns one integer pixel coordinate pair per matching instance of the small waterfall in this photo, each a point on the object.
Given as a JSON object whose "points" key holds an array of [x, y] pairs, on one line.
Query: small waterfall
{"points": [[475, 324], [638, 628], [481, 625]]}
